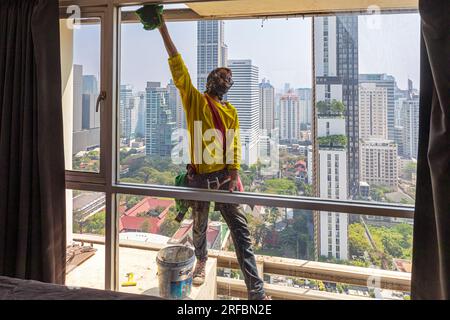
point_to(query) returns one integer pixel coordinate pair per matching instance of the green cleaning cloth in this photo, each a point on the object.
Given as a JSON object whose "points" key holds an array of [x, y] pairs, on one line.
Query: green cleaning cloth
{"points": [[181, 206], [150, 16]]}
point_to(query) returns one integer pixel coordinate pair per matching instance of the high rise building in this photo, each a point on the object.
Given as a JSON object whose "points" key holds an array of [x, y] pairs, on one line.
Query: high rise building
{"points": [[336, 73], [399, 140], [336, 78], [267, 103], [77, 97], [126, 105], [305, 103], [289, 118], [174, 100], [86, 121], [410, 124], [372, 111], [176, 106], [91, 118], [379, 162], [211, 49], [244, 96], [158, 125], [140, 121], [332, 226], [388, 82]]}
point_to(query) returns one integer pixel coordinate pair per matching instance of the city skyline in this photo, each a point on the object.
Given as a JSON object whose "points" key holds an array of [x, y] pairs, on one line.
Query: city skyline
{"points": [[395, 38]]}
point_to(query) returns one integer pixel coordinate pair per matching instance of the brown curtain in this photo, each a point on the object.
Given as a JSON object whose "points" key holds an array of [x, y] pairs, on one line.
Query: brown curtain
{"points": [[431, 247], [32, 195]]}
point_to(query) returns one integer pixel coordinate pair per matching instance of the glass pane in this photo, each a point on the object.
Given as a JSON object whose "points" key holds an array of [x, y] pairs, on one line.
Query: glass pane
{"points": [[80, 66], [277, 85], [147, 224], [367, 77], [85, 225], [336, 238]]}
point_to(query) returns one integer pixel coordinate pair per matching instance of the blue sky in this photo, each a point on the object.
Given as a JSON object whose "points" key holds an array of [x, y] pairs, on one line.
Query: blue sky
{"points": [[281, 49]]}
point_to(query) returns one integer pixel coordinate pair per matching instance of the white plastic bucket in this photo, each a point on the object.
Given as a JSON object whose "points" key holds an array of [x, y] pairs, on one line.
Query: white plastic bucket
{"points": [[175, 264]]}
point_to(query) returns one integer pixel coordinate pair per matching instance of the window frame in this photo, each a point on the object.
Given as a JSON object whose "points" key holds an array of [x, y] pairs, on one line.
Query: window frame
{"points": [[107, 179]]}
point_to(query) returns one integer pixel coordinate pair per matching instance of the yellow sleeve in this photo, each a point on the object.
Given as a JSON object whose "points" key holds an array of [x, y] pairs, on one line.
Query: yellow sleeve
{"points": [[189, 94], [235, 147]]}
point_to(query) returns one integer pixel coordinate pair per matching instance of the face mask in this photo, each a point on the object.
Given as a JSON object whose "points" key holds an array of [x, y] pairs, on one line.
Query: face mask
{"points": [[220, 89], [218, 86]]}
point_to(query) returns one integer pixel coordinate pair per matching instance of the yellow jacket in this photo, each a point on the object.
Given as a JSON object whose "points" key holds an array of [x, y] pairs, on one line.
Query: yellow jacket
{"points": [[209, 157]]}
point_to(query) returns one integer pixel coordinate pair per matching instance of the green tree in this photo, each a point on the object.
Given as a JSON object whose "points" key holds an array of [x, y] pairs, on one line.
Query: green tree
{"points": [[280, 186], [145, 226], [357, 240], [169, 225], [337, 107], [322, 107], [93, 225]]}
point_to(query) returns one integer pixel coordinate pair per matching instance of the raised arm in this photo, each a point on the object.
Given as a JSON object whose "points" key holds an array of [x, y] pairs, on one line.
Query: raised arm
{"points": [[191, 97], [168, 43]]}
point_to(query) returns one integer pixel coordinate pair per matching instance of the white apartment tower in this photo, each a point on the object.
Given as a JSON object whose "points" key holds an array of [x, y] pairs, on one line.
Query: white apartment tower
{"points": [[211, 49], [410, 124], [378, 159], [267, 103], [289, 117], [332, 185], [126, 104], [305, 101], [379, 163], [373, 102], [244, 96]]}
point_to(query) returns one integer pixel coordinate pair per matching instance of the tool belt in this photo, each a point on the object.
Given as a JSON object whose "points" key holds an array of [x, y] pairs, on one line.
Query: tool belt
{"points": [[217, 180]]}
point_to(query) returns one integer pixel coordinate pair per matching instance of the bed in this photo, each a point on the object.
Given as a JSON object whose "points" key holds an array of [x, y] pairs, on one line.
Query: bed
{"points": [[18, 289]]}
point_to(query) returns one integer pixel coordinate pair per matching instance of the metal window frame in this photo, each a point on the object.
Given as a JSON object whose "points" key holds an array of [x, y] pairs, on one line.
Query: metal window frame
{"points": [[106, 180]]}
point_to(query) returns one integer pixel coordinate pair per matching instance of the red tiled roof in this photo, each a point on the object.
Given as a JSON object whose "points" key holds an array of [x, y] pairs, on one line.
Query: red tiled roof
{"points": [[149, 203], [211, 235], [403, 265], [182, 231], [186, 228], [136, 223]]}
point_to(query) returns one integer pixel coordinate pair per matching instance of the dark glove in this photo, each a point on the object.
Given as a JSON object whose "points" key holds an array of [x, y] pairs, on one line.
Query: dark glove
{"points": [[150, 16]]}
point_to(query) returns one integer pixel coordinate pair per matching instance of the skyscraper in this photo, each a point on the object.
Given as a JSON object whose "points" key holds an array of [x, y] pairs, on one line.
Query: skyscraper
{"points": [[336, 73], [174, 99], [244, 95], [379, 162], [410, 123], [126, 105], [211, 49], [305, 103], [77, 97], [91, 118], [388, 83], [289, 117], [267, 103], [372, 111], [336, 78], [86, 121], [140, 121], [159, 125], [332, 226]]}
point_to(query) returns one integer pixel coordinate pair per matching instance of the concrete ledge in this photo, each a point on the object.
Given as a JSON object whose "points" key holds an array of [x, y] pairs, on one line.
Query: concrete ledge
{"points": [[394, 280], [237, 288]]}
